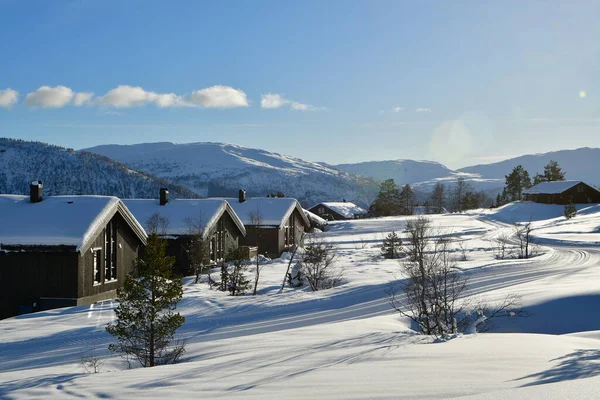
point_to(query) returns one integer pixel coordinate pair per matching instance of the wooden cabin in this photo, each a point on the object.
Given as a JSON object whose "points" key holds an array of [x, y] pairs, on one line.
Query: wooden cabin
{"points": [[180, 220], [562, 192], [273, 224], [63, 251], [338, 211]]}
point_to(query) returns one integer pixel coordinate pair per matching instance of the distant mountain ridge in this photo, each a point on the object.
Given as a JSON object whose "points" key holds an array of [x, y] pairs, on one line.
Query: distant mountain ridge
{"points": [[221, 169], [580, 164], [66, 172]]}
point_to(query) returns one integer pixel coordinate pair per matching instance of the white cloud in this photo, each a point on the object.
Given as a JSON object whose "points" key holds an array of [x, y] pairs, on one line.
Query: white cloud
{"points": [[125, 96], [8, 98], [218, 96], [397, 109], [274, 100], [49, 97], [423, 110], [83, 99]]}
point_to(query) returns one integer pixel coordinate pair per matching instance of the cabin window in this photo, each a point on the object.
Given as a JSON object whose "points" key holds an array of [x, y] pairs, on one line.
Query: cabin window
{"points": [[580, 189], [97, 256], [110, 244], [289, 232]]}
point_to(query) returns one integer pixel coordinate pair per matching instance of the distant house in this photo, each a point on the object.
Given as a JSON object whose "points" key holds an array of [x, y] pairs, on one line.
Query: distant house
{"points": [[178, 220], [316, 221], [278, 222], [336, 211], [561, 192], [63, 250]]}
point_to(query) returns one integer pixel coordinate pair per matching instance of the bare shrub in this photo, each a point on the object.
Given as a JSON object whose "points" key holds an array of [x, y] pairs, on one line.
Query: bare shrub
{"points": [[523, 235], [361, 244], [318, 266], [501, 246], [462, 248], [158, 224], [432, 292], [92, 362]]}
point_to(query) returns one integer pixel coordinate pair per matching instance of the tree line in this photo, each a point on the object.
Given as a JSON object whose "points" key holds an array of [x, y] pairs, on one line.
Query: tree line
{"points": [[394, 200]]}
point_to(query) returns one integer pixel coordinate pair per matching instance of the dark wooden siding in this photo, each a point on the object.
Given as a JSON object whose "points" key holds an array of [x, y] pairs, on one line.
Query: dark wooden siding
{"points": [[272, 239], [327, 213], [580, 194], [27, 276], [177, 245], [60, 276], [128, 247]]}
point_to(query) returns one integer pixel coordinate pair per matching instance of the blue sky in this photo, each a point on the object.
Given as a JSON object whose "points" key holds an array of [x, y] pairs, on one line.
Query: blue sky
{"points": [[337, 81]]}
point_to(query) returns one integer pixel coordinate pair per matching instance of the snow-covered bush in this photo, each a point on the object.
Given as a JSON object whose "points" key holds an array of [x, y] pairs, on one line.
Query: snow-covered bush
{"points": [[317, 265]]}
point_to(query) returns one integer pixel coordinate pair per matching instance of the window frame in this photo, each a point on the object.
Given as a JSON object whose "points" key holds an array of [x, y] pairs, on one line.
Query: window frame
{"points": [[97, 268]]}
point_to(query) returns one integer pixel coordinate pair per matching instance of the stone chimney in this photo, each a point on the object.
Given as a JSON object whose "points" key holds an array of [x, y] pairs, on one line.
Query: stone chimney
{"points": [[35, 191], [164, 196], [242, 195]]}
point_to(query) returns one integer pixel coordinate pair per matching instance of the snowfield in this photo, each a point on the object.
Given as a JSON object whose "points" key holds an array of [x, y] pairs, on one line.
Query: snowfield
{"points": [[346, 342]]}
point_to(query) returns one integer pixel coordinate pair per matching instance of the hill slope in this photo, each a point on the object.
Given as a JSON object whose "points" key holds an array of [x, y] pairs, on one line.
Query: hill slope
{"points": [[580, 164], [402, 171], [66, 171], [218, 169]]}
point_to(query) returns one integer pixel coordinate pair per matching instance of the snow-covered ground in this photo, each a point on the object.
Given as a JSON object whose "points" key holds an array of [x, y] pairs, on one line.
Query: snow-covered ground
{"points": [[346, 342]]}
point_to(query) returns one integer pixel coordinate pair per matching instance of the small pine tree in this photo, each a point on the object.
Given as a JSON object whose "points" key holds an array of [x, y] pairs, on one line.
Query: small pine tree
{"points": [[238, 283], [146, 319], [570, 210], [391, 245], [224, 283]]}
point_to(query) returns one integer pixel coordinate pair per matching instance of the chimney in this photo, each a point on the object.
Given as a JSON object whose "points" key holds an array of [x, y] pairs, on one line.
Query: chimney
{"points": [[242, 195], [164, 196], [35, 191]]}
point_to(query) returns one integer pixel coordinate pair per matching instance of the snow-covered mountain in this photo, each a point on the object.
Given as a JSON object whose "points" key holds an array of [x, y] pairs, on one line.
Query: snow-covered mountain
{"points": [[402, 171], [218, 169], [66, 171], [579, 164], [422, 175]]}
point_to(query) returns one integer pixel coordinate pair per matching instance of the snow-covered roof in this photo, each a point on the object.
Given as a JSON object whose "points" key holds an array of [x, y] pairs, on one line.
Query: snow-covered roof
{"points": [[555, 187], [59, 220], [345, 208], [315, 219], [184, 215], [273, 211]]}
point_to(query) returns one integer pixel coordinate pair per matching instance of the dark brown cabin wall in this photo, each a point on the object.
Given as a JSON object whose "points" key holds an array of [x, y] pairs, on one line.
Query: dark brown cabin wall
{"points": [[177, 246], [27, 276], [588, 195], [128, 247], [331, 215], [269, 240]]}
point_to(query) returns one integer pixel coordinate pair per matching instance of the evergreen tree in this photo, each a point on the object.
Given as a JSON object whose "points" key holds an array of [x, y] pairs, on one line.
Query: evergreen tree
{"points": [[146, 319], [552, 172], [391, 245], [458, 194], [570, 209], [438, 198], [238, 283], [407, 200], [387, 202], [517, 181]]}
